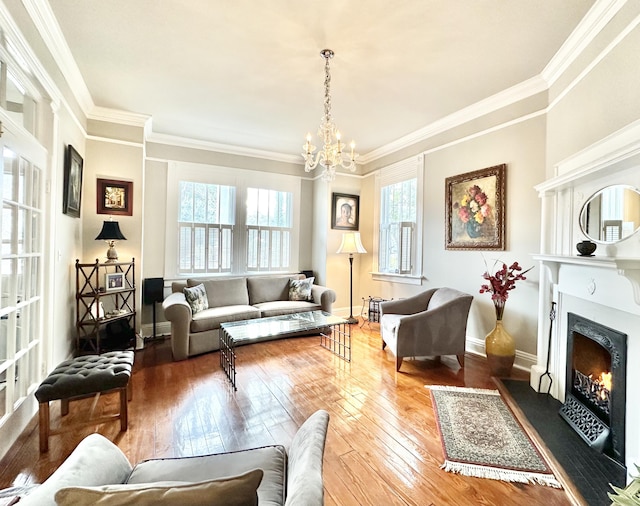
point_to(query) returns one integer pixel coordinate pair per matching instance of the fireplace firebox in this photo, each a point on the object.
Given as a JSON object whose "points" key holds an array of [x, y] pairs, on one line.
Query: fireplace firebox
{"points": [[595, 401]]}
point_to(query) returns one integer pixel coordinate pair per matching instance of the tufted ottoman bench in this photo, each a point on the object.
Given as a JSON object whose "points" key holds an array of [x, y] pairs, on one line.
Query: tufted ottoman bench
{"points": [[82, 377]]}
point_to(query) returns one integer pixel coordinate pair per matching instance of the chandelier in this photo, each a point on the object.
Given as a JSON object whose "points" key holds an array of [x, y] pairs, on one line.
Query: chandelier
{"points": [[331, 155]]}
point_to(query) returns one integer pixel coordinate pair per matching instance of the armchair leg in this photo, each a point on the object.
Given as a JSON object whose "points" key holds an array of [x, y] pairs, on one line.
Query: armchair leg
{"points": [[398, 363], [461, 360]]}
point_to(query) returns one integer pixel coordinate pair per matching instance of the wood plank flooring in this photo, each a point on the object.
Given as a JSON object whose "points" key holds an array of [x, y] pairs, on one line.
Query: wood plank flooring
{"points": [[382, 449]]}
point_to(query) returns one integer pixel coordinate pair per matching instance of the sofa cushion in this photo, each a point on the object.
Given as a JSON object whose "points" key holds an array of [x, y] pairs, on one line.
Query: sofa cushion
{"points": [[280, 307], [265, 289], [231, 491], [196, 297], [300, 289], [224, 291], [210, 319], [80, 469], [271, 459]]}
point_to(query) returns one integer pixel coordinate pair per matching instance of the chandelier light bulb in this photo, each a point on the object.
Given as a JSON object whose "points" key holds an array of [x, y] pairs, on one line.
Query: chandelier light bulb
{"points": [[331, 155]]}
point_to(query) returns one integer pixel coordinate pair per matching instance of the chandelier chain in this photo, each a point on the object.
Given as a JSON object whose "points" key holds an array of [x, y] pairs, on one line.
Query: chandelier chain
{"points": [[332, 154], [327, 91]]}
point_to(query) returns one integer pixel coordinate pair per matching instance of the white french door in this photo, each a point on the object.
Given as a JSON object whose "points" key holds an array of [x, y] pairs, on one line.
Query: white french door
{"points": [[21, 266]]}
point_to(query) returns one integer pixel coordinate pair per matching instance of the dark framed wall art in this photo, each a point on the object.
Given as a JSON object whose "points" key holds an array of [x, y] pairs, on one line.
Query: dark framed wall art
{"points": [[345, 211], [72, 192], [475, 209], [114, 197]]}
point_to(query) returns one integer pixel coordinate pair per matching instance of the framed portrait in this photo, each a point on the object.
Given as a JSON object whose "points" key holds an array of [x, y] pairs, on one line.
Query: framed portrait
{"points": [[114, 281], [475, 209], [345, 211], [72, 192], [114, 197]]}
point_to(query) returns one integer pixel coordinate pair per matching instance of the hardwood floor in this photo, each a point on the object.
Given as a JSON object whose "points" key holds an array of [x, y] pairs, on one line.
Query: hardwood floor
{"points": [[383, 447]]}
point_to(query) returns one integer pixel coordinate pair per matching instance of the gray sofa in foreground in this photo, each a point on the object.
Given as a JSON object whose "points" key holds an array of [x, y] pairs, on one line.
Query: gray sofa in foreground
{"points": [[97, 472], [233, 299]]}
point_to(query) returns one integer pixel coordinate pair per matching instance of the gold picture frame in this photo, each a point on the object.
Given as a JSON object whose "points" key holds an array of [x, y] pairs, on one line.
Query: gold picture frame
{"points": [[475, 209]]}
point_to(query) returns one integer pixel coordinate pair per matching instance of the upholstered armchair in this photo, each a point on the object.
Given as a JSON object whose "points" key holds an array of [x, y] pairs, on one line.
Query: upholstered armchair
{"points": [[432, 323]]}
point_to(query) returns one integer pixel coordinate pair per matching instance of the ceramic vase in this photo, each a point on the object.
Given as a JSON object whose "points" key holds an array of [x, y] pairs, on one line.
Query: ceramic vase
{"points": [[500, 347], [586, 248]]}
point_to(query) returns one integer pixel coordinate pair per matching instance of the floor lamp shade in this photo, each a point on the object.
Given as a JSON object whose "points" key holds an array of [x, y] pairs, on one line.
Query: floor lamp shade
{"points": [[351, 244]]}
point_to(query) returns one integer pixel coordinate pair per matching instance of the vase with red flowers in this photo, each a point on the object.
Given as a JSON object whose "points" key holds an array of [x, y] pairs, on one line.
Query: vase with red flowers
{"points": [[499, 344]]}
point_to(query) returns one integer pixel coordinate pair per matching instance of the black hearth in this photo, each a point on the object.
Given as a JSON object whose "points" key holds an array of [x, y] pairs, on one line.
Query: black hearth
{"points": [[596, 374]]}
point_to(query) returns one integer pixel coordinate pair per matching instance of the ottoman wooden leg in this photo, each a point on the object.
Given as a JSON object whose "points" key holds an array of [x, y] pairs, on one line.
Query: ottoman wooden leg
{"points": [[124, 414], [43, 424]]}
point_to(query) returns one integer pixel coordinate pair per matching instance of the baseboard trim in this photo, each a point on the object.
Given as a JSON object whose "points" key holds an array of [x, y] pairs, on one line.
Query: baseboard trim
{"points": [[524, 361]]}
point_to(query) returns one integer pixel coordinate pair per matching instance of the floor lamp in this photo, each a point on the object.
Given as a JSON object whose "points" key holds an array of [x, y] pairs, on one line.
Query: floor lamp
{"points": [[351, 244]]}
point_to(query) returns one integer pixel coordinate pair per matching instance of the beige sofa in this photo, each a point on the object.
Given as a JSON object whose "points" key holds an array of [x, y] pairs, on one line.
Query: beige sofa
{"points": [[232, 299], [97, 472]]}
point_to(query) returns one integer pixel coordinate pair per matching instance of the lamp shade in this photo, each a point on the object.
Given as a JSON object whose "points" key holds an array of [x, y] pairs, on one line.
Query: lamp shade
{"points": [[351, 243], [110, 232]]}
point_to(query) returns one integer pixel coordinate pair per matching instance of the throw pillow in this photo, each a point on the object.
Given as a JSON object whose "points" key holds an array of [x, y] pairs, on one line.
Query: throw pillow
{"points": [[196, 297], [233, 491], [300, 289]]}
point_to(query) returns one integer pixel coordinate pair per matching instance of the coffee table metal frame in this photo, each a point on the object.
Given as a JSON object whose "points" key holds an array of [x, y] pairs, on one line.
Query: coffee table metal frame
{"points": [[335, 335]]}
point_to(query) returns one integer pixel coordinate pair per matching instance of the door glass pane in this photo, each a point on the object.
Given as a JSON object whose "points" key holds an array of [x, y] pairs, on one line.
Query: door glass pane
{"points": [[8, 230], [8, 283], [10, 175]]}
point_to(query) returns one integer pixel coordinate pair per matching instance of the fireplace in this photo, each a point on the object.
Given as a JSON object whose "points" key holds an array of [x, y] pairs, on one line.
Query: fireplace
{"points": [[596, 375]]}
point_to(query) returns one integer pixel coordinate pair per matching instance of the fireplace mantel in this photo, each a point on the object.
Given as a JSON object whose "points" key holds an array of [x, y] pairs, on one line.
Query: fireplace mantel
{"points": [[627, 267]]}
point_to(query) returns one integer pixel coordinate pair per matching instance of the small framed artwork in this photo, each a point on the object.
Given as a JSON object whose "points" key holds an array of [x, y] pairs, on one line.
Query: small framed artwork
{"points": [[72, 192], [114, 281], [345, 211], [114, 197], [475, 209]]}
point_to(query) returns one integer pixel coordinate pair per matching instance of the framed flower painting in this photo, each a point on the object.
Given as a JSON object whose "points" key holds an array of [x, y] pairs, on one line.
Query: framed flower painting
{"points": [[475, 209]]}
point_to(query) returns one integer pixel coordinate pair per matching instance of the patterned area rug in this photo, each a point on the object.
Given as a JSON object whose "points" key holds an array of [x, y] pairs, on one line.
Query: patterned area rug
{"points": [[481, 438]]}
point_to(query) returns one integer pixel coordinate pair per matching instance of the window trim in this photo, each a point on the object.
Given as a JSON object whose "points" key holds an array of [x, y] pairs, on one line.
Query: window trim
{"points": [[397, 172], [241, 179]]}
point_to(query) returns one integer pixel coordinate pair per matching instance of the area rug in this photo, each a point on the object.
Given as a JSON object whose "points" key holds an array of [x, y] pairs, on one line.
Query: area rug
{"points": [[481, 438]]}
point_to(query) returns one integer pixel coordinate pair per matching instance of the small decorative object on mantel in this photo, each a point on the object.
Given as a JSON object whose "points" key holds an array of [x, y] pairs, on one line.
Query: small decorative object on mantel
{"points": [[586, 248], [499, 345]]}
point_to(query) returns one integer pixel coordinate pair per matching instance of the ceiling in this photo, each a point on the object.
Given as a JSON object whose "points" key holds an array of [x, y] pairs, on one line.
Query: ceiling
{"points": [[249, 74]]}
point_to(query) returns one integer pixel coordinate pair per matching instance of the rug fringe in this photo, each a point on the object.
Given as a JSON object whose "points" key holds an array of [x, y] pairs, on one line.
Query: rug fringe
{"points": [[447, 388], [494, 473]]}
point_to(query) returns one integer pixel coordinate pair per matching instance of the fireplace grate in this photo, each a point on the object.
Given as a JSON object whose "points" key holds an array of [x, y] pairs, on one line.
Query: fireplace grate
{"points": [[585, 423]]}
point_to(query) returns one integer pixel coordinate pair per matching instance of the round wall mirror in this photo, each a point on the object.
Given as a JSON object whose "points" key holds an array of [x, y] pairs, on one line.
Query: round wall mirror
{"points": [[611, 214]]}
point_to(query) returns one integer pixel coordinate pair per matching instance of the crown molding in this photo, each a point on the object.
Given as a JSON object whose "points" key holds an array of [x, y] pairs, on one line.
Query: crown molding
{"points": [[589, 27], [118, 116], [49, 29], [490, 104], [174, 140]]}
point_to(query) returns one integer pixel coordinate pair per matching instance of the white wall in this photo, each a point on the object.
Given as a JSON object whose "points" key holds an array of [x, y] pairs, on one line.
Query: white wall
{"points": [[521, 148], [337, 265]]}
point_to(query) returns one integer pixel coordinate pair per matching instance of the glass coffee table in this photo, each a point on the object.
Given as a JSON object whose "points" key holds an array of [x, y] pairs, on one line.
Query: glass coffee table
{"points": [[335, 334]]}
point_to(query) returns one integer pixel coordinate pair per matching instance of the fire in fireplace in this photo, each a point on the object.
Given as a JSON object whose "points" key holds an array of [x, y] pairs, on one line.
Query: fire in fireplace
{"points": [[595, 401]]}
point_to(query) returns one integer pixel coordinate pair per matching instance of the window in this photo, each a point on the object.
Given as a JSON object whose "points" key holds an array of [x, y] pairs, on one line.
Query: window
{"points": [[230, 221], [269, 214], [205, 223], [400, 210]]}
